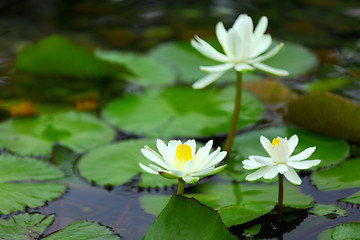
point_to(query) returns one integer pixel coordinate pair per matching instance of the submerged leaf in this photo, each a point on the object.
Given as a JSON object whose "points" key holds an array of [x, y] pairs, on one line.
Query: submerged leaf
{"points": [[185, 218], [181, 112], [327, 113]]}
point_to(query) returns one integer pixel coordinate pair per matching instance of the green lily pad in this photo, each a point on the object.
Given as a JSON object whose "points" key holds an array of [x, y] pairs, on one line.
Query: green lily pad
{"points": [[57, 55], [146, 71], [339, 177], [346, 231], [329, 150], [354, 199], [327, 113], [328, 210], [36, 135], [236, 203], [16, 196], [328, 84], [24, 226], [181, 112], [118, 163], [174, 222], [31, 226]]}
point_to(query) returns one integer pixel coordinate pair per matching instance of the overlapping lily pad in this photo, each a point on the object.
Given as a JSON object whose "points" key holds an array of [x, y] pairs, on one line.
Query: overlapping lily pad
{"points": [[329, 150], [36, 135], [145, 70], [346, 231], [185, 218], [17, 195], [327, 113], [181, 111], [57, 55], [236, 203], [342, 176], [118, 163], [31, 226], [328, 210]]}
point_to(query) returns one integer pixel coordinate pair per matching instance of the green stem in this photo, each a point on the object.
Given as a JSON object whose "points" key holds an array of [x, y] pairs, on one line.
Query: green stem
{"points": [[280, 196], [235, 117], [181, 186]]}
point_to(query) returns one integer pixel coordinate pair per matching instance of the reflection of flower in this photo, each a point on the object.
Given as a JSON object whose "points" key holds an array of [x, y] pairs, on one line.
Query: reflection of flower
{"points": [[242, 47], [280, 161], [179, 160]]}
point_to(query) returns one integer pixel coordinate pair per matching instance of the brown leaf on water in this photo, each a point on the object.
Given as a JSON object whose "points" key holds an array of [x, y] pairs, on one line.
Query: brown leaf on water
{"points": [[327, 113]]}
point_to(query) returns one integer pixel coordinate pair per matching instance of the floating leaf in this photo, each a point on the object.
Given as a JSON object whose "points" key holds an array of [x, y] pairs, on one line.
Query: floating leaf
{"points": [[236, 203], [16, 196], [145, 71], [328, 149], [24, 226], [328, 84], [181, 111], [346, 231], [327, 113], [185, 218], [57, 55], [118, 163], [354, 199], [36, 136], [328, 210], [339, 177]]}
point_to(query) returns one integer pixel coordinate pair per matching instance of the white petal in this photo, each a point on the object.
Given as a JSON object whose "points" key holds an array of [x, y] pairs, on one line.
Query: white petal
{"points": [[163, 149], [264, 160], [207, 50], [172, 145], [233, 44], [241, 67], [203, 172], [261, 27], [303, 155], [154, 156], [177, 173], [261, 45], [192, 144], [282, 168], [292, 176], [267, 55], [303, 164], [271, 172], [147, 169], [251, 164], [221, 35], [205, 161], [217, 68], [292, 143], [256, 175], [265, 143], [271, 70], [203, 82], [189, 179], [216, 160], [188, 167], [156, 168], [203, 153]]}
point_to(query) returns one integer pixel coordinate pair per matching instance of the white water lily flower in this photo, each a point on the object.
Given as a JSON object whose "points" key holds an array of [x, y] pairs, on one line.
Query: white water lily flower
{"points": [[177, 160], [242, 49], [280, 160]]}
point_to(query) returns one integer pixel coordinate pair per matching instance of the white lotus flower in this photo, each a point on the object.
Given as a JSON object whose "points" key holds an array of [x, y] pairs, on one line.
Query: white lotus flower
{"points": [[179, 160], [280, 160], [242, 49]]}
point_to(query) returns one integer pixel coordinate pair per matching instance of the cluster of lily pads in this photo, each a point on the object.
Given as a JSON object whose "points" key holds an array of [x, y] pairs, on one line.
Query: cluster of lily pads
{"points": [[164, 105]]}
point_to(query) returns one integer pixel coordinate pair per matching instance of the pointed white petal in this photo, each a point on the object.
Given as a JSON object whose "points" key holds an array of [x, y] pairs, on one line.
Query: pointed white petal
{"points": [[202, 162], [267, 55], [265, 143], [216, 160], [243, 67], [203, 172], [303, 164], [154, 156], [261, 45], [261, 27], [292, 143], [207, 80], [147, 169], [303, 155], [256, 175], [221, 35], [172, 145], [163, 149], [282, 168], [217, 68], [233, 44], [271, 70], [271, 172], [192, 144], [207, 50], [203, 153], [292, 176], [156, 168], [177, 173], [264, 160], [251, 164]]}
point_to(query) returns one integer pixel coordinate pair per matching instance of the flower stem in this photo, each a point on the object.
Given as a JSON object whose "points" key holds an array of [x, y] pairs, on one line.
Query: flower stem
{"points": [[280, 196], [181, 186], [235, 117]]}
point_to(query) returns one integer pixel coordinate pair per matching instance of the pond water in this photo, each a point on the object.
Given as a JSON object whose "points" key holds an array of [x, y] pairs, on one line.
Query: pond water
{"points": [[328, 29]]}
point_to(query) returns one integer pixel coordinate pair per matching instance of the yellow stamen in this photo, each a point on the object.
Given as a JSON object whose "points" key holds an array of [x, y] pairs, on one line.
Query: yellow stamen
{"points": [[182, 156], [276, 141]]}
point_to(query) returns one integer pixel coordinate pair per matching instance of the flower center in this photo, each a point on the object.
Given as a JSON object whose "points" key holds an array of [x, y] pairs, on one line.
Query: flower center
{"points": [[276, 141], [182, 156]]}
